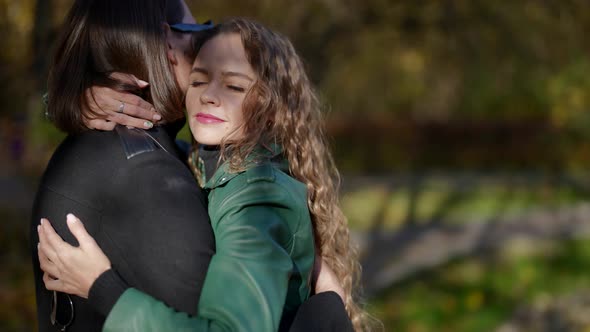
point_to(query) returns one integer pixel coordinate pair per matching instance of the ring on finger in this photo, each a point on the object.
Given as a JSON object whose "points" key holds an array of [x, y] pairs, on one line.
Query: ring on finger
{"points": [[121, 108]]}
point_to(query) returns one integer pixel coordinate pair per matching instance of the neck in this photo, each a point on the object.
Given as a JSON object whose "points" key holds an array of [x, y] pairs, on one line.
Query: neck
{"points": [[209, 154]]}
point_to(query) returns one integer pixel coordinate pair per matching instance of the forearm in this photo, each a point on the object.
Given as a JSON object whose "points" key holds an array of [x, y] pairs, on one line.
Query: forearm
{"points": [[237, 296], [245, 288], [137, 311]]}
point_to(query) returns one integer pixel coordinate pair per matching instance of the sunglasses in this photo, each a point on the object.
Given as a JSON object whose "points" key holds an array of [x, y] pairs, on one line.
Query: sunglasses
{"points": [[62, 311], [192, 27]]}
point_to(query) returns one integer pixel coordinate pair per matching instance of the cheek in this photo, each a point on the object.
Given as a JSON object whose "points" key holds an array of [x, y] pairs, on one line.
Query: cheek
{"points": [[237, 114], [191, 100], [237, 119]]}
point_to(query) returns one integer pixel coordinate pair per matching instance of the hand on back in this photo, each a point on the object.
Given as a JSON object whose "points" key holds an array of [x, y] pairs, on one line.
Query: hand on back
{"points": [[113, 107], [66, 268]]}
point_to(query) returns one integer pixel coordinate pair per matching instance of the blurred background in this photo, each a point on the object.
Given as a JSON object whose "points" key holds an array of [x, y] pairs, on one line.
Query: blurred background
{"points": [[461, 128]]}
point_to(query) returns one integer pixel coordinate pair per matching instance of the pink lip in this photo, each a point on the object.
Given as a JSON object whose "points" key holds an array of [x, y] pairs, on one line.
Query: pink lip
{"points": [[208, 118]]}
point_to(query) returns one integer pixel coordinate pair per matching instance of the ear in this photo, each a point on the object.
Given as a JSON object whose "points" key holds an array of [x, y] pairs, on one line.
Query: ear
{"points": [[169, 44]]}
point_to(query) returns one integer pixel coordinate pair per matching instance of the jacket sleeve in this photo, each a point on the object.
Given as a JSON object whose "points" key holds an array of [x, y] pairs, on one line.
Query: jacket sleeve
{"points": [[247, 280], [334, 317]]}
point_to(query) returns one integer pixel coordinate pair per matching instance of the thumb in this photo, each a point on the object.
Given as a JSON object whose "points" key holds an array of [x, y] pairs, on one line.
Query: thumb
{"points": [[78, 230]]}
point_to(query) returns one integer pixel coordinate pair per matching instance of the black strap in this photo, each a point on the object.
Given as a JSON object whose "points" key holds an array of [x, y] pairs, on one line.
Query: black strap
{"points": [[62, 311]]}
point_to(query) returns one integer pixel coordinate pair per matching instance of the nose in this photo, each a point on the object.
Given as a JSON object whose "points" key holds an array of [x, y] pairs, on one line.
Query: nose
{"points": [[209, 95]]}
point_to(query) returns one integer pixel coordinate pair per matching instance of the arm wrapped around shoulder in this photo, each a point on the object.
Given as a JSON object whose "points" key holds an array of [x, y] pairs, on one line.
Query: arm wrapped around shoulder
{"points": [[261, 268]]}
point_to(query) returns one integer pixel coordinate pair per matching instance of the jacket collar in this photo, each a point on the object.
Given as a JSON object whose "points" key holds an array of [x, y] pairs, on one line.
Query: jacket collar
{"points": [[260, 155]]}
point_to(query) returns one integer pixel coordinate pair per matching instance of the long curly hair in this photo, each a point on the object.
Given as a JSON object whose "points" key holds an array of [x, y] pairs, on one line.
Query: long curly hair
{"points": [[282, 108]]}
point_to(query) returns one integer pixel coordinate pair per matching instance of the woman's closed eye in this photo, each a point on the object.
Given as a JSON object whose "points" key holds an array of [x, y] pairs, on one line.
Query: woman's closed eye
{"points": [[235, 88], [195, 84]]}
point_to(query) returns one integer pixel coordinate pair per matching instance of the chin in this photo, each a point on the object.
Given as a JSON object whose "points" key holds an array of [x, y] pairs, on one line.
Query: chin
{"points": [[207, 141]]}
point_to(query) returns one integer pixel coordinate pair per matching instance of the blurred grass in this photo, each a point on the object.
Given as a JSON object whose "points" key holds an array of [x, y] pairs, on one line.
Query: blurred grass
{"points": [[476, 293], [443, 199], [479, 293]]}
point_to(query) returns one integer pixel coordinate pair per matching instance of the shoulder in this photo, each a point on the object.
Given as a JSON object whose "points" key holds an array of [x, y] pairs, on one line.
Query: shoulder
{"points": [[260, 173], [262, 201], [91, 149], [267, 176], [88, 155], [116, 146], [263, 187], [97, 159]]}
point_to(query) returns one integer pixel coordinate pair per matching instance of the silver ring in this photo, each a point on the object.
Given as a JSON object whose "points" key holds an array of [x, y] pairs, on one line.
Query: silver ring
{"points": [[121, 108]]}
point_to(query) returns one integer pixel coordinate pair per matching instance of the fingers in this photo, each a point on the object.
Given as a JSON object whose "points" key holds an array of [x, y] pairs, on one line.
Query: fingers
{"points": [[47, 265], [136, 111], [53, 240], [106, 103], [100, 124], [111, 99], [53, 284], [126, 120], [139, 112], [136, 106], [44, 246], [79, 231], [48, 257]]}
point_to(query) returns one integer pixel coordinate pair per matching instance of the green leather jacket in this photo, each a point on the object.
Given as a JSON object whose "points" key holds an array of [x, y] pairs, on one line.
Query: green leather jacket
{"points": [[261, 270]]}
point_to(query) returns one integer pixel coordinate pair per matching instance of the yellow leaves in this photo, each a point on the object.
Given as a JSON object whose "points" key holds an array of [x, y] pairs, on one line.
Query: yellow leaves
{"points": [[18, 22], [569, 95], [20, 15], [474, 300], [412, 61]]}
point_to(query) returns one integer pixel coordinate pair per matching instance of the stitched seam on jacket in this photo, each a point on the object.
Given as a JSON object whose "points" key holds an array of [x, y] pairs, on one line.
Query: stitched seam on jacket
{"points": [[55, 191], [100, 230]]}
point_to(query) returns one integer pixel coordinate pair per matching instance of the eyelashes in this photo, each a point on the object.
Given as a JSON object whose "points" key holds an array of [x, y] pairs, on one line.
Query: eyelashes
{"points": [[234, 88]]}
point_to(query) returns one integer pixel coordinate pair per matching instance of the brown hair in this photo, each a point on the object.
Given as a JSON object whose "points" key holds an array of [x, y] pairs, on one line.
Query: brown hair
{"points": [[100, 37], [282, 107]]}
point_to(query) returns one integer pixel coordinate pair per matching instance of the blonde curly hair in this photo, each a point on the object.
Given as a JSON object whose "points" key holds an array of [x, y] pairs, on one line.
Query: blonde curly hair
{"points": [[282, 108]]}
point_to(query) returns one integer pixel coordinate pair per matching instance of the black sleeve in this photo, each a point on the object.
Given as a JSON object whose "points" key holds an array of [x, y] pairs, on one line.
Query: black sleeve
{"points": [[323, 312], [106, 290]]}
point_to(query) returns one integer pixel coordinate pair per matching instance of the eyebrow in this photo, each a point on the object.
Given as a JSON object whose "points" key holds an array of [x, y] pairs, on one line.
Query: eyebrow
{"points": [[199, 70], [225, 73], [233, 73]]}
